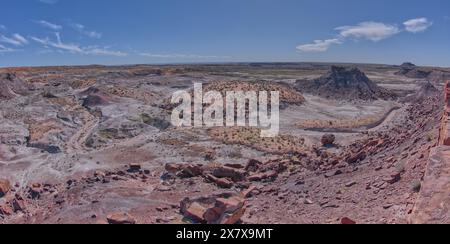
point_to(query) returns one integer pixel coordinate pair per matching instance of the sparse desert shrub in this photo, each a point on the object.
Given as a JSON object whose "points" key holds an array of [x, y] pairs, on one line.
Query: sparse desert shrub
{"points": [[235, 153], [416, 186], [400, 167]]}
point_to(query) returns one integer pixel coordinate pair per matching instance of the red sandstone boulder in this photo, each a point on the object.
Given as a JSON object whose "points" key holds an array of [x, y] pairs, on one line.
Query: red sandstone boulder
{"points": [[220, 182], [228, 172], [347, 221], [253, 165], [5, 210], [120, 218], [220, 209], [5, 186]]}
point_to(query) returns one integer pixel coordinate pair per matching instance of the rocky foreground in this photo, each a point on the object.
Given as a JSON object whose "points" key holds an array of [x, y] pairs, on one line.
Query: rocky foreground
{"points": [[94, 145], [377, 179]]}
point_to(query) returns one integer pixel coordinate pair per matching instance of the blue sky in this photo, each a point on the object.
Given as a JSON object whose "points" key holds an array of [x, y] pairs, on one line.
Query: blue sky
{"points": [[65, 32]]}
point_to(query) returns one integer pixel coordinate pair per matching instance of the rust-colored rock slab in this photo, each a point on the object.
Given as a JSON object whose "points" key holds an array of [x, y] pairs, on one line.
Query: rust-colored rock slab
{"points": [[433, 205]]}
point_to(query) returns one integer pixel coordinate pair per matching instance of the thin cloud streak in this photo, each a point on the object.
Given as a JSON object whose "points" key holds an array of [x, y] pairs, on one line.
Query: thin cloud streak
{"points": [[182, 56], [49, 25], [76, 49]]}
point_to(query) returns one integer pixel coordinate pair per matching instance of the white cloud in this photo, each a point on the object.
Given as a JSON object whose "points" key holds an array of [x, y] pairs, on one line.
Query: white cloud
{"points": [[49, 25], [82, 30], [182, 56], [4, 49], [44, 42], [75, 48], [16, 40], [20, 38], [417, 25], [318, 45], [373, 31], [105, 52]]}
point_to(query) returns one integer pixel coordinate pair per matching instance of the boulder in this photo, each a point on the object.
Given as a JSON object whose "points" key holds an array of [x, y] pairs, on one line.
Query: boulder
{"points": [[393, 178], [347, 221], [5, 186], [185, 170], [5, 210], [263, 176], [228, 172], [18, 204], [357, 157], [328, 139], [253, 165], [227, 208], [134, 167], [173, 167], [191, 170], [120, 218], [248, 192], [220, 182], [35, 190]]}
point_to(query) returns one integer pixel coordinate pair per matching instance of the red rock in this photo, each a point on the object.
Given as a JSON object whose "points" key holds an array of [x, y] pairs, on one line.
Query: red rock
{"points": [[6, 210], [222, 209], [248, 192], [227, 172], [236, 166], [356, 157], [120, 218], [173, 168], [394, 178], [232, 209], [18, 204], [262, 176], [99, 174], [230, 204], [271, 174], [232, 218], [35, 190], [220, 182], [5, 186], [194, 169], [195, 211], [253, 165], [134, 167], [328, 139], [212, 215], [256, 177], [224, 183], [347, 221], [163, 188]]}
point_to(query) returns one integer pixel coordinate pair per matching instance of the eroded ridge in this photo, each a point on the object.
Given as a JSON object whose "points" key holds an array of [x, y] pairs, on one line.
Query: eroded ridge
{"points": [[433, 204]]}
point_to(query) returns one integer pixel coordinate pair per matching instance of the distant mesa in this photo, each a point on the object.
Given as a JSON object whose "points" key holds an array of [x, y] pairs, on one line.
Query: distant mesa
{"points": [[408, 65], [341, 83], [425, 91], [412, 71]]}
